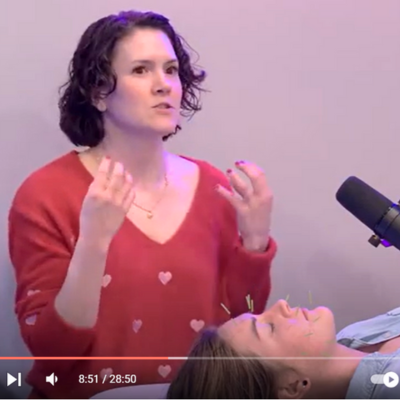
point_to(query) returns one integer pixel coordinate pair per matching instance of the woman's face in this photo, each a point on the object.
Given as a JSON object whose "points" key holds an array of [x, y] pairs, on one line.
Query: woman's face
{"points": [[149, 92], [290, 335]]}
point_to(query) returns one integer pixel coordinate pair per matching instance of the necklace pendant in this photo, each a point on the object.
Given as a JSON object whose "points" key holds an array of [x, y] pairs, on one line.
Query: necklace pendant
{"points": [[149, 215]]}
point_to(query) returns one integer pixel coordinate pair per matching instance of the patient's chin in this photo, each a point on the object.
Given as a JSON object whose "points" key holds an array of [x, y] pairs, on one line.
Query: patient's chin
{"points": [[327, 313], [325, 322]]}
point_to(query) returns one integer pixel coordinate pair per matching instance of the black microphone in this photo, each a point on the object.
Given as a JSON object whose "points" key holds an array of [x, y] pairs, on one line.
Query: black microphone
{"points": [[373, 209]]}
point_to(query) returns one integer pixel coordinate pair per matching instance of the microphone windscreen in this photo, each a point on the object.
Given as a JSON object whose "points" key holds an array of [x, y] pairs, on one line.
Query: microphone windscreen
{"points": [[364, 202]]}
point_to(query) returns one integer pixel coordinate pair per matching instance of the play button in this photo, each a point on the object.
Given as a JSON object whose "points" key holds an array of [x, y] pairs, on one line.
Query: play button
{"points": [[10, 379], [391, 379]]}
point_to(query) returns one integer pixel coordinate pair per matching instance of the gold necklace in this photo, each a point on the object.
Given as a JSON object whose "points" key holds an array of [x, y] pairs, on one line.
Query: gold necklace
{"points": [[149, 212]]}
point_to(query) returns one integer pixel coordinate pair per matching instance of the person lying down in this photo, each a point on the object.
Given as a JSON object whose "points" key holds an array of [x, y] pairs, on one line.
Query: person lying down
{"points": [[293, 353]]}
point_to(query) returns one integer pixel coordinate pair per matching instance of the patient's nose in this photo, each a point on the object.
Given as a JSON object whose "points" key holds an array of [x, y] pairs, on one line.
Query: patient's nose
{"points": [[281, 307]]}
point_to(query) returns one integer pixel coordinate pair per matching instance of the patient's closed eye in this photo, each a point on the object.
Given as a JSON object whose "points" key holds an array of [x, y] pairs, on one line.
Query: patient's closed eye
{"points": [[272, 326], [258, 326], [254, 327], [269, 325]]}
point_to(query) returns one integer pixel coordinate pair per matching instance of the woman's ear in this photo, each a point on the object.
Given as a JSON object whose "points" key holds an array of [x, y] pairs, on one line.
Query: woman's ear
{"points": [[101, 105], [292, 386], [98, 101]]}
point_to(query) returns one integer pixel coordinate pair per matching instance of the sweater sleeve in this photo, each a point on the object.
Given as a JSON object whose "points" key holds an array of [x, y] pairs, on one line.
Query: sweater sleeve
{"points": [[40, 255], [245, 273]]}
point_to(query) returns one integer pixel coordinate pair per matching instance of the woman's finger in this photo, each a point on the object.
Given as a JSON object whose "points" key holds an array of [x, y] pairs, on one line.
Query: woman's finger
{"points": [[256, 176], [103, 174], [116, 182], [127, 189], [128, 200], [229, 195], [238, 183]]}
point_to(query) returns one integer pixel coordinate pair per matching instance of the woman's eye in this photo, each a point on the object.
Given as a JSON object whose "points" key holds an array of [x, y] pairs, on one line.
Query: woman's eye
{"points": [[173, 70], [139, 70]]}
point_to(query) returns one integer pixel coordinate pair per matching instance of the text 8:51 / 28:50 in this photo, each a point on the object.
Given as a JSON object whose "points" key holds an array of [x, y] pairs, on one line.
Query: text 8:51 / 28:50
{"points": [[114, 378]]}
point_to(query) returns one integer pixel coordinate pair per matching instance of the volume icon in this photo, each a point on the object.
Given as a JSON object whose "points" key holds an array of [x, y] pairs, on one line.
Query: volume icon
{"points": [[52, 379]]}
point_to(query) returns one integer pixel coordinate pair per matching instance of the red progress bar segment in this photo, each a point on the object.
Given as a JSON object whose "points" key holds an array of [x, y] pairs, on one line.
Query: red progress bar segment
{"points": [[92, 358]]}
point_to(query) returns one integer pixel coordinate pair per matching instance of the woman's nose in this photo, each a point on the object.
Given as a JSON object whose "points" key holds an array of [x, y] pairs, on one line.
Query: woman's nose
{"points": [[162, 84]]}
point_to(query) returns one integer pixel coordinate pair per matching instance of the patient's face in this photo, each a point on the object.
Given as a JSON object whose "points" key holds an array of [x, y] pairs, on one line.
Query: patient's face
{"points": [[282, 331]]}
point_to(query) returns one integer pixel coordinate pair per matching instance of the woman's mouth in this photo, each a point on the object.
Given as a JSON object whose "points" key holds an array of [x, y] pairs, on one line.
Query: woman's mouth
{"points": [[163, 106]]}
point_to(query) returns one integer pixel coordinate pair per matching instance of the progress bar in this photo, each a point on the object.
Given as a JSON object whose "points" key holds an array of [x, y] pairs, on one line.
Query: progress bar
{"points": [[91, 358], [190, 358]]}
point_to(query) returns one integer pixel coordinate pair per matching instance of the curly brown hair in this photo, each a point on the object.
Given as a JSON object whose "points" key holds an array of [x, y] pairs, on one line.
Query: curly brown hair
{"points": [[215, 370], [91, 69]]}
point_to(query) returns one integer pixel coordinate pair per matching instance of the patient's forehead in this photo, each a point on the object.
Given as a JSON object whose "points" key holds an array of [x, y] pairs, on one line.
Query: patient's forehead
{"points": [[235, 327]]}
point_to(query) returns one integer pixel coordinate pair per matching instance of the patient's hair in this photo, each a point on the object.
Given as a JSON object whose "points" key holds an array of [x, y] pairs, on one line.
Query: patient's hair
{"points": [[215, 370]]}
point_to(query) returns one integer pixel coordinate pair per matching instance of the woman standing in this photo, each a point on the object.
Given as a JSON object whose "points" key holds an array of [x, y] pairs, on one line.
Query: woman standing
{"points": [[124, 249]]}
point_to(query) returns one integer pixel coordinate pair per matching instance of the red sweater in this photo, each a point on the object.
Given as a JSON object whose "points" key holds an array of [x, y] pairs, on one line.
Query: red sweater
{"points": [[154, 297]]}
